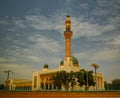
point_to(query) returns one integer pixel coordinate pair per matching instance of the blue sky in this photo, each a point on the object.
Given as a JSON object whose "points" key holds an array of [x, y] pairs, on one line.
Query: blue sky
{"points": [[31, 34]]}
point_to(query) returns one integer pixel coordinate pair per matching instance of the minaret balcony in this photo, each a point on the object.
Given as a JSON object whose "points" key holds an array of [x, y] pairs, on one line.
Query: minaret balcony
{"points": [[68, 34]]}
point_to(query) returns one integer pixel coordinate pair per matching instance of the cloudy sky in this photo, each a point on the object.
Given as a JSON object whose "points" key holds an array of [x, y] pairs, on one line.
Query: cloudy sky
{"points": [[31, 34]]}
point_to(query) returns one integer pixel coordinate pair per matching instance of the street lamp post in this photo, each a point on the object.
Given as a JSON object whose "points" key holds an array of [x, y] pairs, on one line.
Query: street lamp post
{"points": [[96, 67], [87, 78], [8, 75]]}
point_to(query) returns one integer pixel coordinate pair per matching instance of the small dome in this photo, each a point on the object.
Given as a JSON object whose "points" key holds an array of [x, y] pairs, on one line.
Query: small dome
{"points": [[61, 63], [46, 66], [75, 60]]}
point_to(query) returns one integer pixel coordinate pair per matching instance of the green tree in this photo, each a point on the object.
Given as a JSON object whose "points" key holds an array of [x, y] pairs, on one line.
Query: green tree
{"points": [[116, 84], [85, 78], [1, 86], [109, 86], [57, 81], [80, 77], [65, 79]]}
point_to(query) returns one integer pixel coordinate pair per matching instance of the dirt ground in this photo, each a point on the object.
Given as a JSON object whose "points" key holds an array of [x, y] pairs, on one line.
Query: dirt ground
{"points": [[51, 94]]}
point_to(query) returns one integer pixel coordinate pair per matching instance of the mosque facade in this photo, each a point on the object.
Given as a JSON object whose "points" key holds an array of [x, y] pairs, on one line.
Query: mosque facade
{"points": [[41, 79]]}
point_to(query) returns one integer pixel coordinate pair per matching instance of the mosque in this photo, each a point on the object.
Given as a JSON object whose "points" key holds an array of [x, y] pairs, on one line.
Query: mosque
{"points": [[41, 79]]}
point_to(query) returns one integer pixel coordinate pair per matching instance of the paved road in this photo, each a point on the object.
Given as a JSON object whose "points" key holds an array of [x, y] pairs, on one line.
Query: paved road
{"points": [[115, 94]]}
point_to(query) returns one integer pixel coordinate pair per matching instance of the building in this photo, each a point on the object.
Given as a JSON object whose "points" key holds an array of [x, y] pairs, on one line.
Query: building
{"points": [[18, 84], [41, 79]]}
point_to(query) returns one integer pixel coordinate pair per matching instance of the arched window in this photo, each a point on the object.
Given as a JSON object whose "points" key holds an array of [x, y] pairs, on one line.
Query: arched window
{"points": [[42, 85], [50, 86], [46, 86], [35, 81]]}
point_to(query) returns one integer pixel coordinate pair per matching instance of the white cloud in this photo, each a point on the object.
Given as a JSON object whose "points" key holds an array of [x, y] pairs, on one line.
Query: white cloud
{"points": [[84, 5], [103, 54], [2, 59], [16, 25], [34, 58], [4, 22], [107, 41], [19, 23], [87, 29], [44, 50], [44, 23], [99, 12], [45, 44], [79, 28], [114, 41], [115, 21], [68, 1], [12, 29], [38, 22], [82, 56], [106, 7], [44, 47], [106, 55]]}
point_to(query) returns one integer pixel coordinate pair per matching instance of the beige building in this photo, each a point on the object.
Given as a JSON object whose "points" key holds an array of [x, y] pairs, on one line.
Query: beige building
{"points": [[41, 79], [18, 84]]}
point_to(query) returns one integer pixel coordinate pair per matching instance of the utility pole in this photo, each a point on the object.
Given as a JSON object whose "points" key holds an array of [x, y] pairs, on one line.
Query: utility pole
{"points": [[8, 72]]}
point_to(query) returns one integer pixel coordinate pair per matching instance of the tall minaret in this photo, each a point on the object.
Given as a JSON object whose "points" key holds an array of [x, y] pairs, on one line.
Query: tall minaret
{"points": [[68, 34]]}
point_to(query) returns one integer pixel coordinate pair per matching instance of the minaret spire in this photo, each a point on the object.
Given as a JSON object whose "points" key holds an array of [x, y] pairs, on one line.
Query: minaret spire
{"points": [[68, 34], [68, 23]]}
